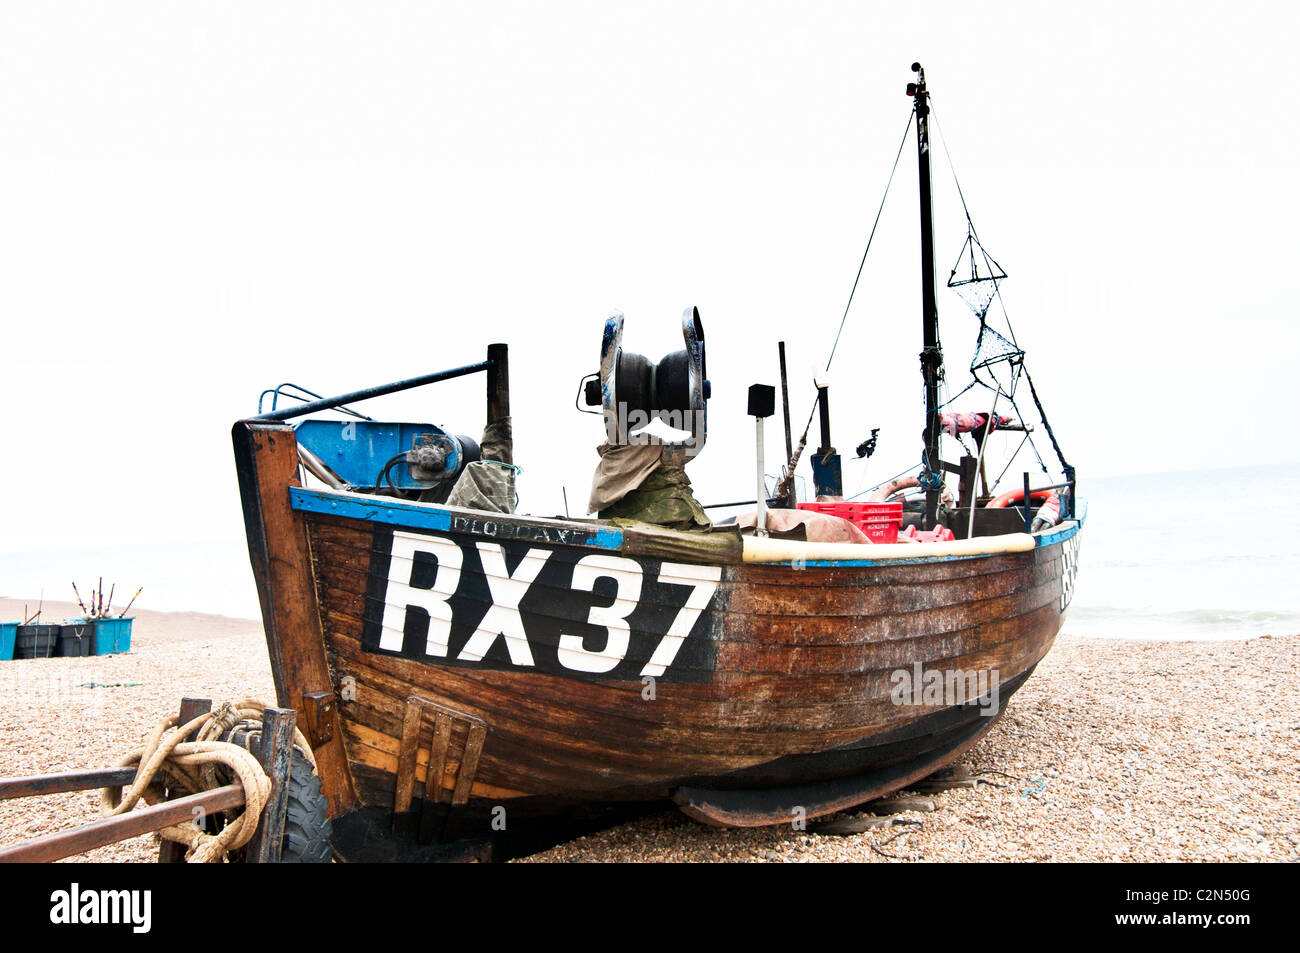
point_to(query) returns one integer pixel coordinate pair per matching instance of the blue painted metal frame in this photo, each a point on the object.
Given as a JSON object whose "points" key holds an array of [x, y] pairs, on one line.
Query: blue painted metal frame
{"points": [[1066, 532], [827, 480], [416, 515], [358, 449]]}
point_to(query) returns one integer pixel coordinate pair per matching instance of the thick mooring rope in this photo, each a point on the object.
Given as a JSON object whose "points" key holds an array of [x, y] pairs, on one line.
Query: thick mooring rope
{"points": [[168, 764]]}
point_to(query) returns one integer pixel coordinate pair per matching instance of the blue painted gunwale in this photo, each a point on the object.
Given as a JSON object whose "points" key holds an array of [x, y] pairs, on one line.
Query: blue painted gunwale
{"points": [[431, 517], [425, 515]]}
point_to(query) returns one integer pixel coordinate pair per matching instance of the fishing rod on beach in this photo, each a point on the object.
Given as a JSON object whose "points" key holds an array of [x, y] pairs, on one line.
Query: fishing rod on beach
{"points": [[132, 602], [28, 620], [96, 607], [84, 610]]}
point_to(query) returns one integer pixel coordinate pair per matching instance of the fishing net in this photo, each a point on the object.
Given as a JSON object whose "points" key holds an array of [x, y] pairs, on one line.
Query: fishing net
{"points": [[997, 362], [991, 348], [978, 294], [980, 275], [975, 259], [997, 358]]}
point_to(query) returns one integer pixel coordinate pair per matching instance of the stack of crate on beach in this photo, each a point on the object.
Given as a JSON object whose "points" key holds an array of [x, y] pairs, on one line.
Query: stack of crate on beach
{"points": [[71, 638]]}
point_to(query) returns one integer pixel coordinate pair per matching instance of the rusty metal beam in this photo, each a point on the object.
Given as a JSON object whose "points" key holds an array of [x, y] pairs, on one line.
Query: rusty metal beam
{"points": [[327, 403], [110, 830], [38, 784]]}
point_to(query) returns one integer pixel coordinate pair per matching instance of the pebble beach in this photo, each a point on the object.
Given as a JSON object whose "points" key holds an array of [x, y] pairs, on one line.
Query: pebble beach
{"points": [[1114, 750]]}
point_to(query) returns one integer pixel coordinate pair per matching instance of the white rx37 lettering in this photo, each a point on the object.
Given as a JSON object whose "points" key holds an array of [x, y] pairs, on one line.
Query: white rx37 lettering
{"points": [[503, 620]]}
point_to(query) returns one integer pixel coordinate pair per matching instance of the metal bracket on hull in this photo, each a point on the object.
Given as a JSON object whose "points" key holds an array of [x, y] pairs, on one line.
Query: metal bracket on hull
{"points": [[437, 819]]}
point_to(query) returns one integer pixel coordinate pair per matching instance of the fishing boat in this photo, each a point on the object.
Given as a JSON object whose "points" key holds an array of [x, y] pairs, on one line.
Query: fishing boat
{"points": [[457, 665]]}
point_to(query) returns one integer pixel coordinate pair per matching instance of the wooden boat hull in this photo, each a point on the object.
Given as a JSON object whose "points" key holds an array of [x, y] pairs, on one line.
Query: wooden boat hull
{"points": [[530, 664]]}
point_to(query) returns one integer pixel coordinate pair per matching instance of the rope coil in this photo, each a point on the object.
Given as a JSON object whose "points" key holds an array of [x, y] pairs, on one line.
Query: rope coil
{"points": [[167, 764]]}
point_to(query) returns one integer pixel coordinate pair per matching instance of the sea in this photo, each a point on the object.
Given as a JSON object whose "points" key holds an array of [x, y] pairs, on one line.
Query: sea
{"points": [[1203, 554], [1209, 554]]}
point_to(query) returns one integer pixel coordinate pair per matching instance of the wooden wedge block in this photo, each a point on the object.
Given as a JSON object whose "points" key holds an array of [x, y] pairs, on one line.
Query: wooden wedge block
{"points": [[897, 805]]}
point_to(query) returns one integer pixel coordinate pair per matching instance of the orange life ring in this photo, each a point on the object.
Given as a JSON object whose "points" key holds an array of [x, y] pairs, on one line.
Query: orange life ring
{"points": [[1009, 497]]}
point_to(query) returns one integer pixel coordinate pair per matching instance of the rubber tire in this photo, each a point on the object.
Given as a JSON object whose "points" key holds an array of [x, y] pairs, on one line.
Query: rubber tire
{"points": [[307, 828]]}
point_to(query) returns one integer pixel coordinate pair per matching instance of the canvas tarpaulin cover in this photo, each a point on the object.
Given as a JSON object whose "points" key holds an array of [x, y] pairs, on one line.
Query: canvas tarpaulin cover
{"points": [[647, 482], [489, 483]]}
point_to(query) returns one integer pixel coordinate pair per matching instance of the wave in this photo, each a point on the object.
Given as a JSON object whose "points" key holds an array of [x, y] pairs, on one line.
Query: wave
{"points": [[1179, 624]]}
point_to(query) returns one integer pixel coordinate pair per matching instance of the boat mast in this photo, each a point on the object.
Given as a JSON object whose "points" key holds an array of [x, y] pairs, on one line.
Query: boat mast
{"points": [[932, 354]]}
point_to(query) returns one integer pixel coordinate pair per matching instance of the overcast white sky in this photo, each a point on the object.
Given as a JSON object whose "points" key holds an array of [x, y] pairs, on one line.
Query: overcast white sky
{"points": [[200, 200]]}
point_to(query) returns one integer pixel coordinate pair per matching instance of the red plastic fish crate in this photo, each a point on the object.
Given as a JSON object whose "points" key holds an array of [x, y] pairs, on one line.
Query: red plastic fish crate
{"points": [[940, 534], [880, 521]]}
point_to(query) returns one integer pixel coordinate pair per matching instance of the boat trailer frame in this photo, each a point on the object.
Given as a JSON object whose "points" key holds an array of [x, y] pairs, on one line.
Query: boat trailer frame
{"points": [[264, 847]]}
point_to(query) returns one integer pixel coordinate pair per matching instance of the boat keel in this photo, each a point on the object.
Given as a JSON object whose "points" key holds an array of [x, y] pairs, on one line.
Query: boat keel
{"points": [[769, 807]]}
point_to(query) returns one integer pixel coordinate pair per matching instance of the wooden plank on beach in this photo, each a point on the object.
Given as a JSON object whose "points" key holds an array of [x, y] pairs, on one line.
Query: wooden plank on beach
{"points": [[276, 756], [897, 805], [850, 825]]}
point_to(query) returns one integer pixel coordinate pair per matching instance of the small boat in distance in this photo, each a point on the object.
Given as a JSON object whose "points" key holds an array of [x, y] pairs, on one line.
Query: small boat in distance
{"points": [[455, 664]]}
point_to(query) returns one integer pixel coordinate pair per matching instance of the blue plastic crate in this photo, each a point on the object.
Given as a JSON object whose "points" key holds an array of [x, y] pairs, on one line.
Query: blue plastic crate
{"points": [[8, 633], [113, 636]]}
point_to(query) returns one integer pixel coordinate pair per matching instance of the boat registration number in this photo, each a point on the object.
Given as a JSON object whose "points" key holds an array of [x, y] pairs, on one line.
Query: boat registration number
{"points": [[516, 605]]}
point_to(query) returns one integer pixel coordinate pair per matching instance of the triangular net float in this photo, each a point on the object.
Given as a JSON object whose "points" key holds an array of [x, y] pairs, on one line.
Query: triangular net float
{"points": [[978, 286]]}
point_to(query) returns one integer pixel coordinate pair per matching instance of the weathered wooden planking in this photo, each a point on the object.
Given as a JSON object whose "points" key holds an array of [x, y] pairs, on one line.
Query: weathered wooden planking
{"points": [[803, 664], [869, 624], [377, 750], [276, 757], [527, 756], [987, 636], [938, 647], [266, 459], [955, 617], [673, 717]]}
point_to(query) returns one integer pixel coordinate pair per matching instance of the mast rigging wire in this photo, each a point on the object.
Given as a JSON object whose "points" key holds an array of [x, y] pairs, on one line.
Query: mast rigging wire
{"points": [[989, 261], [970, 225], [997, 290], [897, 156], [788, 479], [862, 263]]}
